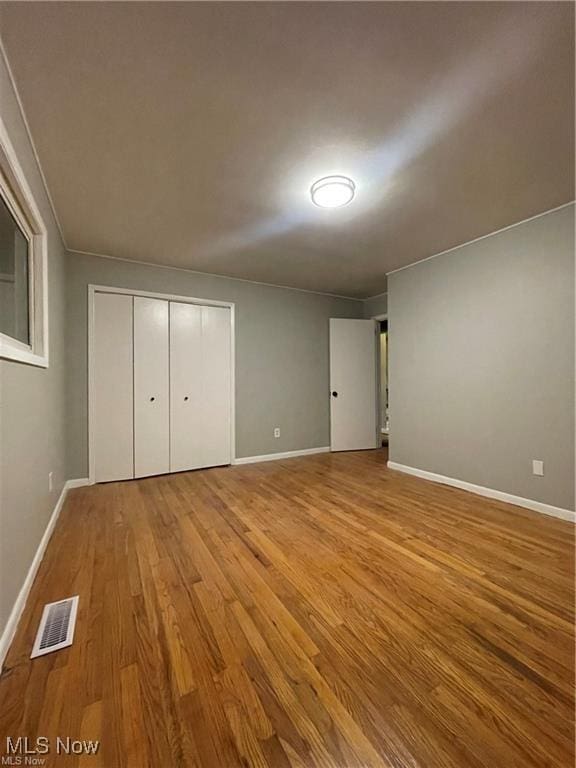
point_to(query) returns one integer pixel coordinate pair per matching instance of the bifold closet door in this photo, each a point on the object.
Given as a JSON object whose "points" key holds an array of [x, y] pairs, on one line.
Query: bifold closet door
{"points": [[112, 398], [200, 381], [151, 387], [186, 424]]}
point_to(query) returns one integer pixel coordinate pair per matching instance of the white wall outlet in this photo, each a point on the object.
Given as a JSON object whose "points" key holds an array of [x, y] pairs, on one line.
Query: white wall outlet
{"points": [[537, 467], [276, 431], [50, 481]]}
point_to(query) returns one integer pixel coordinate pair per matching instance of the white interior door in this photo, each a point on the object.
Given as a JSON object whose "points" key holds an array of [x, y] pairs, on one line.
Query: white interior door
{"points": [[185, 386], [353, 379], [112, 418], [200, 380], [151, 387]]}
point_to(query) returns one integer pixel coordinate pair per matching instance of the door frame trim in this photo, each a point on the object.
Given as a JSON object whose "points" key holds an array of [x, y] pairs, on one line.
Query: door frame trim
{"points": [[92, 291], [379, 318]]}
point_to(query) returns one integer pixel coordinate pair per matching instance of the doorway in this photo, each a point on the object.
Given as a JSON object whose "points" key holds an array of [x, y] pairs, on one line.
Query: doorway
{"points": [[383, 393]]}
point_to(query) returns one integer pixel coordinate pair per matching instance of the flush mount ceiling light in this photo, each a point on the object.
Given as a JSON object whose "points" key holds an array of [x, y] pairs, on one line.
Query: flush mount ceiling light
{"points": [[332, 191]]}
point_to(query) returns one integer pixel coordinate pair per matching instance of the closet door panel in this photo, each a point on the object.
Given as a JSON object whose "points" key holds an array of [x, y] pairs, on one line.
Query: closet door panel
{"points": [[186, 391], [151, 387], [216, 379], [112, 422]]}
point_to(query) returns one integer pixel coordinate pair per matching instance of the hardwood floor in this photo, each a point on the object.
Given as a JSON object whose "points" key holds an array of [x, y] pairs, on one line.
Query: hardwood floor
{"points": [[320, 611]]}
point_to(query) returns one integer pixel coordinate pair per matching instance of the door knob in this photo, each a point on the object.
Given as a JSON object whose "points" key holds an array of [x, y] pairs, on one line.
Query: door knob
{"points": [[334, 394], [152, 399], [186, 398]]}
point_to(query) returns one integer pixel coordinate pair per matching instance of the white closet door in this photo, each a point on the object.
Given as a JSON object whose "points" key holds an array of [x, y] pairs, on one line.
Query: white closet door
{"points": [[200, 379], [151, 388], [112, 421], [216, 378], [186, 391]]}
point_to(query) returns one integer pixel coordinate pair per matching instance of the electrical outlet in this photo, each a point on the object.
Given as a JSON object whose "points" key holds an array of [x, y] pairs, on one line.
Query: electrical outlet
{"points": [[50, 481], [537, 467], [276, 431]]}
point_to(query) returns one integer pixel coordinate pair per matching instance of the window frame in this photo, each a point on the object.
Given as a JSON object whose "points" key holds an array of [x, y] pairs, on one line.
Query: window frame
{"points": [[16, 194]]}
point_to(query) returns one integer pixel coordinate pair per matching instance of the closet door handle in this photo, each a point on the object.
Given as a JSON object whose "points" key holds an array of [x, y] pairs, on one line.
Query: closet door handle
{"points": [[186, 397], [152, 399]]}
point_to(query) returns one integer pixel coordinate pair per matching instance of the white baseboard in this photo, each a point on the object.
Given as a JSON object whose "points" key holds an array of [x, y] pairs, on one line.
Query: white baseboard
{"points": [[536, 506], [276, 456], [18, 607], [78, 482]]}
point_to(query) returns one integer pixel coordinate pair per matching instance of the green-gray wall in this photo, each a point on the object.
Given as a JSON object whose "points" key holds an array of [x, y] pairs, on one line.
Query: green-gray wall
{"points": [[282, 372], [376, 306], [32, 405], [481, 361]]}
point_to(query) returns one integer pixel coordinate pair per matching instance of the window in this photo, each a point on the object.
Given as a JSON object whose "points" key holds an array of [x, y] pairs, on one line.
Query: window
{"points": [[14, 278], [23, 268]]}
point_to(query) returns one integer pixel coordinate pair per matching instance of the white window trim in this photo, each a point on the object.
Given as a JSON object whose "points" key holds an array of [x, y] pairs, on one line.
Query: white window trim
{"points": [[15, 191]]}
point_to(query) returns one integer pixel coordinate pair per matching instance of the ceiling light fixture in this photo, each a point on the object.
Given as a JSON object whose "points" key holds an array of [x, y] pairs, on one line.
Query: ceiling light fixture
{"points": [[332, 191]]}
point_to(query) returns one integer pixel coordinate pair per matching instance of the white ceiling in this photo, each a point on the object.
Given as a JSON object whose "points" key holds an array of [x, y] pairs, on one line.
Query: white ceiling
{"points": [[188, 134]]}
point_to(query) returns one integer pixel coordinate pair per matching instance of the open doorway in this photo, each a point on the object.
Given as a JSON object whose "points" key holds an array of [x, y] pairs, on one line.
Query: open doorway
{"points": [[384, 416]]}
